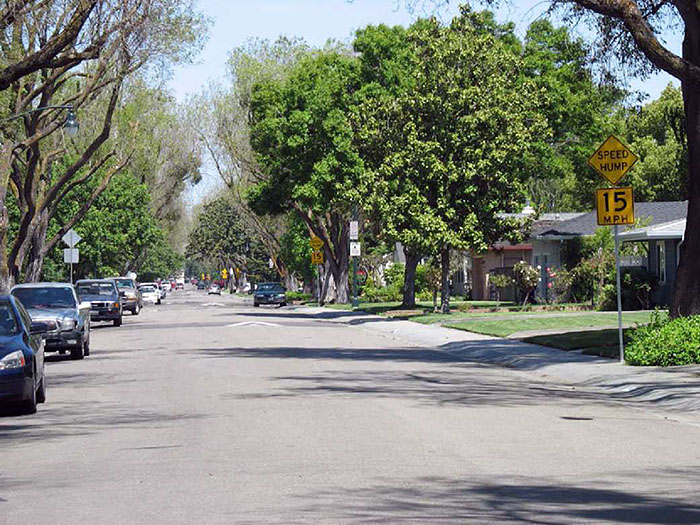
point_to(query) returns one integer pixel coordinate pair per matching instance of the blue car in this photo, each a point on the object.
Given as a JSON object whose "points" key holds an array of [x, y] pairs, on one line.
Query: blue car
{"points": [[22, 382]]}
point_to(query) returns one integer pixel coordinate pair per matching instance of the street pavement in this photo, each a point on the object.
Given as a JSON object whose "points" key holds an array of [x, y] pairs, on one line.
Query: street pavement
{"points": [[207, 410]]}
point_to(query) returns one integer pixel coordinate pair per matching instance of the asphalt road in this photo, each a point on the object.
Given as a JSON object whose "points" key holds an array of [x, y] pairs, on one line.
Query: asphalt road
{"points": [[205, 409]]}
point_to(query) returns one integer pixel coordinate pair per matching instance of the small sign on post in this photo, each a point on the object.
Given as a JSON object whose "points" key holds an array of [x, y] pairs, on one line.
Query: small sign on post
{"points": [[317, 257], [354, 230], [316, 243], [612, 160], [71, 238], [614, 206], [71, 256], [355, 250]]}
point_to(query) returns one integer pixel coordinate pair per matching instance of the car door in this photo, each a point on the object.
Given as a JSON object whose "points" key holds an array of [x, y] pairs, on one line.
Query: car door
{"points": [[36, 341]]}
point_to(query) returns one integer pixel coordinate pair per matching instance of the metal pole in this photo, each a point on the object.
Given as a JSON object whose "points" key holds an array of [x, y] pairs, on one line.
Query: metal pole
{"points": [[319, 285], [355, 302], [619, 296], [71, 270]]}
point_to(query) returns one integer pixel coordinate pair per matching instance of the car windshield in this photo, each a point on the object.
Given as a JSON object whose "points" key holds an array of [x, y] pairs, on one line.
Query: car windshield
{"points": [[147, 289], [49, 297], [8, 321], [270, 287], [125, 283], [105, 289]]}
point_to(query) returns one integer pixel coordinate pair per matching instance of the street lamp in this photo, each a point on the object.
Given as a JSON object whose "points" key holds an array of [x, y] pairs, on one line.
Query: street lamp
{"points": [[70, 126]]}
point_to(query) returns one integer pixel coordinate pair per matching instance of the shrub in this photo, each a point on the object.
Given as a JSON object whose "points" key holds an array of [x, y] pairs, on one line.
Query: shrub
{"points": [[298, 296], [637, 287], [526, 278], [665, 342], [500, 281], [394, 275], [560, 285]]}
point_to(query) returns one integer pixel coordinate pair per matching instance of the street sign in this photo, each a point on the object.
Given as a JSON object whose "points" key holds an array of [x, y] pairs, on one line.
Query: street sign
{"points": [[317, 257], [612, 160], [614, 206], [355, 250], [224, 273], [316, 243], [71, 238], [71, 256], [354, 230]]}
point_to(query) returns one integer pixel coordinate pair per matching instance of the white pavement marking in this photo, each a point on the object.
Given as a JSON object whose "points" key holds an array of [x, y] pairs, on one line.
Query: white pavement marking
{"points": [[213, 304], [247, 323]]}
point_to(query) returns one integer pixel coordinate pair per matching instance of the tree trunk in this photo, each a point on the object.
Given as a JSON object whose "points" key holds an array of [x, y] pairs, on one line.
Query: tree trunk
{"points": [[445, 292], [36, 251], [686, 297], [409, 287]]}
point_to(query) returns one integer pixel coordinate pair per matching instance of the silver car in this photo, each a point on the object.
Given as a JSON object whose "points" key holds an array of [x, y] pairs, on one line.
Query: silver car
{"points": [[67, 319]]}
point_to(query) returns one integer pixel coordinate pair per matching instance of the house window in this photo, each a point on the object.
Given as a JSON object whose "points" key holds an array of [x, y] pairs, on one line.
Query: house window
{"points": [[661, 261]]}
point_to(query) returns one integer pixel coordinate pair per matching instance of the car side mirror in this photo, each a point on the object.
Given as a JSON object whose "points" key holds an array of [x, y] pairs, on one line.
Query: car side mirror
{"points": [[38, 328]]}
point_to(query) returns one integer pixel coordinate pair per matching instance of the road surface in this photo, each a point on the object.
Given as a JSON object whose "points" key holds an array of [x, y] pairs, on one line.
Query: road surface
{"points": [[204, 409]]}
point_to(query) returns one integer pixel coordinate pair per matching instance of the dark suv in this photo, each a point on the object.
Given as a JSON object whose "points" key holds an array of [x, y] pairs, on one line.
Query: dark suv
{"points": [[129, 292], [103, 296]]}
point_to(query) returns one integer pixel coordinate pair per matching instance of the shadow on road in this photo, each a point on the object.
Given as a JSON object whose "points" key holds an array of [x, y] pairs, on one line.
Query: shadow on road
{"points": [[532, 500]]}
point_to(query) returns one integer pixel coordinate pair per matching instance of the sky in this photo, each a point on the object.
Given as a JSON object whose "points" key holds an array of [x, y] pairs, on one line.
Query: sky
{"points": [[236, 21]]}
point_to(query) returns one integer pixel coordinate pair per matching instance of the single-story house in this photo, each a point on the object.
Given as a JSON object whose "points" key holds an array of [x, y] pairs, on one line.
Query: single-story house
{"points": [[664, 243]]}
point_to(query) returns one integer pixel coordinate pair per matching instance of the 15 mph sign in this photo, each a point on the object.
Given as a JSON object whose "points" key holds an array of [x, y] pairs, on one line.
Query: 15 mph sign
{"points": [[612, 160]]}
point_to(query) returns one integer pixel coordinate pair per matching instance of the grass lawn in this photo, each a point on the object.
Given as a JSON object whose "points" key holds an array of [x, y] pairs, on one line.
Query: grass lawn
{"points": [[421, 306], [506, 327], [603, 343]]}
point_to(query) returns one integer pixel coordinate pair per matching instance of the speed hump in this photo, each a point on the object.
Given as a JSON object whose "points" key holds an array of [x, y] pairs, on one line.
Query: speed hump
{"points": [[614, 206]]}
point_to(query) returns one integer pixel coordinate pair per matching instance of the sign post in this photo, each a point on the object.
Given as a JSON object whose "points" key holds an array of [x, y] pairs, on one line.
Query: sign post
{"points": [[72, 254], [354, 253], [317, 258], [614, 206]]}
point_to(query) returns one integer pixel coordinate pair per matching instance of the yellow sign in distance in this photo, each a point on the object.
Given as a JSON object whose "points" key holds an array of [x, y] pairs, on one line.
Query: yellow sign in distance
{"points": [[224, 273], [316, 257], [316, 243], [614, 206], [612, 160]]}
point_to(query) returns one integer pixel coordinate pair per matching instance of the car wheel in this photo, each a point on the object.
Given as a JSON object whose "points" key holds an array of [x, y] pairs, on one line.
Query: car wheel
{"points": [[256, 305], [77, 352], [41, 392], [29, 406], [283, 304], [136, 310], [86, 347], [118, 321]]}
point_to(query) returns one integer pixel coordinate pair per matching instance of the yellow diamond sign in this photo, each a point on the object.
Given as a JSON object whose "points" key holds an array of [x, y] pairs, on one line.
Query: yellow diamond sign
{"points": [[612, 160]]}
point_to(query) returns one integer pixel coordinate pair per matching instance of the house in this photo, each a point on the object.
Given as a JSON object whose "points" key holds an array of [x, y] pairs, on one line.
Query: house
{"points": [[502, 256], [663, 248], [547, 245]]}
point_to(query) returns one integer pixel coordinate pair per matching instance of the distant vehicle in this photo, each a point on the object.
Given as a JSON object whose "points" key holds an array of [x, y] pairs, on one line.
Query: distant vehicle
{"points": [[157, 286], [214, 289], [104, 299], [180, 284], [67, 319], [131, 297], [166, 286], [22, 382], [201, 285], [270, 293], [149, 294]]}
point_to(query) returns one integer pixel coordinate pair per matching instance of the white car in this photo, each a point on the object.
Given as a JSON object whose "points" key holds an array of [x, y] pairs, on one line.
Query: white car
{"points": [[166, 286], [157, 286], [149, 294]]}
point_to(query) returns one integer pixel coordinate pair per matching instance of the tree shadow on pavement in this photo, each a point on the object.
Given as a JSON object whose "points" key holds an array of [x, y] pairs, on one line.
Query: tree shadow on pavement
{"points": [[533, 500]]}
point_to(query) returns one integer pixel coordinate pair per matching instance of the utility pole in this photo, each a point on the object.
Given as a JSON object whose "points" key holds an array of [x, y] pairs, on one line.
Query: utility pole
{"points": [[354, 235]]}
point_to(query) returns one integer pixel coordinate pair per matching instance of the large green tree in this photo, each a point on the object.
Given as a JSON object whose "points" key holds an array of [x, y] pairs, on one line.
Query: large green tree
{"points": [[303, 139], [448, 152]]}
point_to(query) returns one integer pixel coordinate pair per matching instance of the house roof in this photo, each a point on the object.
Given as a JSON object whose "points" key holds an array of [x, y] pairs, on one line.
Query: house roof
{"points": [[651, 213], [666, 230]]}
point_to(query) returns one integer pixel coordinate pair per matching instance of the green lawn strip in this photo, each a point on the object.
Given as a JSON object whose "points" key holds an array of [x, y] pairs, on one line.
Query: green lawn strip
{"points": [[603, 343], [504, 328]]}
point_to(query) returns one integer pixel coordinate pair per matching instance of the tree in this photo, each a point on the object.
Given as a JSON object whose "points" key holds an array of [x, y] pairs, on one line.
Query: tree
{"points": [[632, 29], [303, 139], [448, 153], [128, 36]]}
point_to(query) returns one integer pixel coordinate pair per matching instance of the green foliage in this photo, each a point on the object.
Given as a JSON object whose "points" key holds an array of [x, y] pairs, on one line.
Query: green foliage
{"points": [[526, 278], [298, 296], [295, 250], [119, 234], [371, 293], [665, 342], [394, 275], [501, 280], [637, 284]]}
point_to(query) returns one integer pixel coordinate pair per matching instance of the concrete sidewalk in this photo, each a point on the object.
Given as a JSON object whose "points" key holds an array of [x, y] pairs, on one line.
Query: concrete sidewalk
{"points": [[673, 388]]}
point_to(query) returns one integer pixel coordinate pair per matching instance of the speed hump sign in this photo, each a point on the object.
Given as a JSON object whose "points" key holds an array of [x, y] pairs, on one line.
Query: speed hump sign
{"points": [[614, 206]]}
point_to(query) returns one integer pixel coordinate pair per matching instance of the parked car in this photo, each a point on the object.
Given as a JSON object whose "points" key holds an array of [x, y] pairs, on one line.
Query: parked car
{"points": [[22, 382], [149, 294], [104, 299], [180, 284], [131, 297], [201, 285], [158, 288], [67, 319], [166, 286], [270, 293], [214, 289]]}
